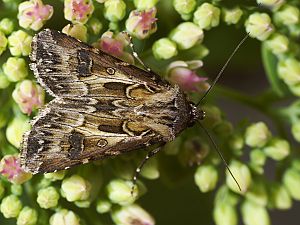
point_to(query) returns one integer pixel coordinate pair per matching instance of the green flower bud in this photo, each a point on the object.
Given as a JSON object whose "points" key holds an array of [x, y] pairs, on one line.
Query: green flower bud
{"points": [[289, 71], [184, 7], [55, 176], [291, 180], [232, 16], [15, 69], [207, 16], [186, 35], [150, 170], [257, 193], [273, 4], [278, 44], [47, 197], [119, 191], [132, 214], [223, 129], [236, 143], [95, 26], [225, 196], [19, 43], [78, 31], [6, 26], [64, 217], [279, 197], [206, 177], [225, 214], [16, 189], [287, 15], [83, 204], [114, 10], [242, 174], [10, 206], [257, 158], [144, 4], [3, 42], [259, 26], [16, 129], [257, 135], [4, 82], [27, 216], [296, 164], [296, 130], [164, 48], [254, 214], [278, 149], [103, 206], [75, 188]]}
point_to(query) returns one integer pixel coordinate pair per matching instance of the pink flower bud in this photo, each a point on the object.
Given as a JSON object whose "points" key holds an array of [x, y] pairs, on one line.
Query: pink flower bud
{"points": [[78, 10]]}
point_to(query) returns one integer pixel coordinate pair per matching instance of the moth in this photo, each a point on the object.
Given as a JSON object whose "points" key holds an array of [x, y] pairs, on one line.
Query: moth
{"points": [[102, 106]]}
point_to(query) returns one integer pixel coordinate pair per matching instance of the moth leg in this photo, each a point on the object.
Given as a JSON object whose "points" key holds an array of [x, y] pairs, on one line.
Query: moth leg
{"points": [[143, 162]]}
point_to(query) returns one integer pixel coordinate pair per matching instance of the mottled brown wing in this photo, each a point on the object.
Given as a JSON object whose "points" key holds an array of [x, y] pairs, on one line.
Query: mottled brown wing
{"points": [[102, 106]]}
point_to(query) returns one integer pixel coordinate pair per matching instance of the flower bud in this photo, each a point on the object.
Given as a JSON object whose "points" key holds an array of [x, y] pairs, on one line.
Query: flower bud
{"points": [[144, 4], [206, 177], [291, 180], [27, 216], [236, 144], [16, 189], [223, 129], [141, 24], [75, 188], [225, 214], [259, 26], [4, 82], [33, 14], [103, 206], [207, 16], [119, 191], [19, 43], [11, 169], [78, 31], [78, 11], [164, 48], [257, 193], [56, 175], [6, 26], [15, 69], [95, 26], [257, 157], [277, 149], [64, 217], [83, 204], [47, 197], [296, 130], [184, 7], [278, 44], [232, 16], [254, 214], [131, 215], [3, 42], [296, 164], [16, 129], [287, 15], [289, 71], [186, 35], [273, 4], [10, 206], [150, 169], [114, 10], [242, 174], [257, 135], [279, 197], [224, 195]]}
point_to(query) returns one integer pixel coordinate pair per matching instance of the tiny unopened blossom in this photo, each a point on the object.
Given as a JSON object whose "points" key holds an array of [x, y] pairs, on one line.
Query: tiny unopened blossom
{"points": [[103, 206], [236, 144], [150, 170], [279, 197], [183, 74], [287, 15], [225, 195], [47, 197], [3, 42], [75, 188], [33, 14], [19, 43], [78, 31], [15, 130], [278, 44], [184, 7], [95, 26], [272, 4], [144, 4], [206, 177], [291, 180], [289, 71], [132, 215], [15, 69], [207, 16], [141, 24], [4, 82], [277, 149], [27, 216], [257, 157], [6, 26], [225, 214], [114, 10], [254, 214], [55, 176], [16, 189], [164, 48], [257, 193], [28, 96], [64, 217], [11, 169], [186, 35], [296, 130], [259, 25], [10, 206], [232, 16], [83, 204], [78, 11], [257, 135]]}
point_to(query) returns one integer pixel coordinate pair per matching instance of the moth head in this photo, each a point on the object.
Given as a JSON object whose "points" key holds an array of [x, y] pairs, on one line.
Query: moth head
{"points": [[196, 114]]}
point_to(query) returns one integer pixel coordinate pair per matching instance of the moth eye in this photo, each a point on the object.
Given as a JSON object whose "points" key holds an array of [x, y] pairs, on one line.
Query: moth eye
{"points": [[102, 143], [110, 71]]}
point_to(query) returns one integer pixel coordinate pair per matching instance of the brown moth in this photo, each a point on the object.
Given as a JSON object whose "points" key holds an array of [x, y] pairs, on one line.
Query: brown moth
{"points": [[102, 106]]}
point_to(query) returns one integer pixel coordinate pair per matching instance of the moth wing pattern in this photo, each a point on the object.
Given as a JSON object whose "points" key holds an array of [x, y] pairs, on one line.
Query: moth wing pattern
{"points": [[102, 106]]}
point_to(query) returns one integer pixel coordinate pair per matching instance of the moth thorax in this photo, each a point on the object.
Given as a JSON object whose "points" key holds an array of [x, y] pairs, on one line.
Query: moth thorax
{"points": [[196, 114]]}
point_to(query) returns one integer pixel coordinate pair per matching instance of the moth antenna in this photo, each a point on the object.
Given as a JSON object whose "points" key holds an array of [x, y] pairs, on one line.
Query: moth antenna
{"points": [[134, 53], [219, 153], [223, 68], [139, 168]]}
